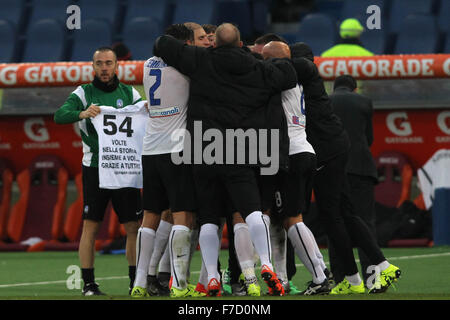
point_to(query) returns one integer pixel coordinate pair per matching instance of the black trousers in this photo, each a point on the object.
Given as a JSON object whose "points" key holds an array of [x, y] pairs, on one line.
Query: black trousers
{"points": [[344, 228]]}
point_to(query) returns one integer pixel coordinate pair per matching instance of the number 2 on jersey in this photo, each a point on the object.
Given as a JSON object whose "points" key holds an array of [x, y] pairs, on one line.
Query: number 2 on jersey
{"points": [[157, 74]]}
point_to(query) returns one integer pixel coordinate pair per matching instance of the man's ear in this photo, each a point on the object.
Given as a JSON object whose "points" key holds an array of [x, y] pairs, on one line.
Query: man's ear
{"points": [[241, 44]]}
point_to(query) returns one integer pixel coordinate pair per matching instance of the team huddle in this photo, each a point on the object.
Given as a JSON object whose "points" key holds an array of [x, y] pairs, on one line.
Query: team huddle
{"points": [[269, 137]]}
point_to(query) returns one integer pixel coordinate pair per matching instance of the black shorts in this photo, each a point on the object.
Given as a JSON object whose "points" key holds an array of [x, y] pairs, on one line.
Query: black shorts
{"points": [[127, 202], [167, 185], [223, 189], [294, 188]]}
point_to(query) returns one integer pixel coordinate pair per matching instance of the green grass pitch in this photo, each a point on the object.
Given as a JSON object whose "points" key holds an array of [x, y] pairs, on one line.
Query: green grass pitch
{"points": [[43, 275]]}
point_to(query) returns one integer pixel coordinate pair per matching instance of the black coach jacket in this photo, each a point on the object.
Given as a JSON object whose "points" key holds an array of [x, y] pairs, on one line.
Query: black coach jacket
{"points": [[324, 130], [229, 88]]}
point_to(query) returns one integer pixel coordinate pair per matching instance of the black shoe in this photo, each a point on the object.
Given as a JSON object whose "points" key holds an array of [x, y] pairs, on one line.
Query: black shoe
{"points": [[330, 277], [91, 289], [316, 289], [238, 289], [163, 283], [154, 288]]}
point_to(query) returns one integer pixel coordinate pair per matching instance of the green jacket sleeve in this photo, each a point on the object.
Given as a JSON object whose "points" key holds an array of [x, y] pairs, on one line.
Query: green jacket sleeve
{"points": [[69, 112]]}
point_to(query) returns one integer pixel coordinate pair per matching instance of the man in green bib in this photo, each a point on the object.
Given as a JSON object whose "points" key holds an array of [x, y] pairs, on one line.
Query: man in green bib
{"points": [[82, 105], [350, 44]]}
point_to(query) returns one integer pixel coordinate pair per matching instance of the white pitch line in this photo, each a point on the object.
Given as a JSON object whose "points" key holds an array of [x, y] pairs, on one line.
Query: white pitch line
{"points": [[433, 255]]}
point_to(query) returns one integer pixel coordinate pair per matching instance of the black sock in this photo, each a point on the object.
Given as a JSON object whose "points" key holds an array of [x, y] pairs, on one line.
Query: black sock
{"points": [[132, 274], [88, 275]]}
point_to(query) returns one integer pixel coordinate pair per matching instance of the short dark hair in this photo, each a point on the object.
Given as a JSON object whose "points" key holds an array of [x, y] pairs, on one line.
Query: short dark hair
{"points": [[346, 81], [265, 39], [180, 32], [104, 49], [209, 28]]}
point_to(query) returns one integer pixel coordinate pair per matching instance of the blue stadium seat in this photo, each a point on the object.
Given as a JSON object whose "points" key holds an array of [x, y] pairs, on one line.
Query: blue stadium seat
{"points": [[7, 41], [446, 44], [139, 35], [443, 16], [92, 35], [15, 12], [400, 9], [331, 8], [318, 31], [418, 34], [375, 40], [45, 42], [107, 10], [159, 10], [50, 9], [200, 11], [261, 10], [238, 12]]}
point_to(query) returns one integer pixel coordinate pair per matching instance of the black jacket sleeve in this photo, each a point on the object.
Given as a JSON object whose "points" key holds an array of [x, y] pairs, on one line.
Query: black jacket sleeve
{"points": [[305, 69], [280, 74], [176, 54], [369, 128]]}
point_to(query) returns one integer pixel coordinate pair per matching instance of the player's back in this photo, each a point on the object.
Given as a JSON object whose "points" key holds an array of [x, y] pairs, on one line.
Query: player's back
{"points": [[294, 109], [167, 92]]}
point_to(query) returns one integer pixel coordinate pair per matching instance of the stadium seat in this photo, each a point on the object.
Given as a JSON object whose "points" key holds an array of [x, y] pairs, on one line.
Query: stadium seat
{"points": [[238, 12], [40, 209], [331, 8], [443, 18], [394, 175], [400, 9], [446, 43], [6, 180], [357, 9], [8, 41], [93, 34], [261, 11], [318, 31], [200, 11], [418, 34], [50, 9], [375, 40], [159, 10], [136, 30], [16, 13], [106, 10], [45, 42]]}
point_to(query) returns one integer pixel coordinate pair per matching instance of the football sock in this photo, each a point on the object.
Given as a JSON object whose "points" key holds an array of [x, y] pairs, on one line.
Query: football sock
{"points": [[132, 274], [244, 250], [316, 249], [144, 249], [164, 263], [354, 280], [278, 241], [161, 239], [194, 244], [88, 275], [209, 246], [180, 245], [260, 235], [383, 265], [303, 245]]}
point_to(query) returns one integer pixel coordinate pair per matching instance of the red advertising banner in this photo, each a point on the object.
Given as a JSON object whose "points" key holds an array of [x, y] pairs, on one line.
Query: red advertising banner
{"points": [[416, 133], [376, 67]]}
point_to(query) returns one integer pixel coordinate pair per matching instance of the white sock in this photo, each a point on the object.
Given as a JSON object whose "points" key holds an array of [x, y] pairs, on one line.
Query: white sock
{"points": [[209, 247], [303, 245], [354, 280], [180, 245], [161, 239], [260, 235], [383, 265], [164, 263], [316, 249], [194, 244], [278, 241], [244, 250], [144, 249]]}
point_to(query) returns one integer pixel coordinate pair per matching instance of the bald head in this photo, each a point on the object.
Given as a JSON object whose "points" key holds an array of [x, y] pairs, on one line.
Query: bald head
{"points": [[228, 34], [276, 49]]}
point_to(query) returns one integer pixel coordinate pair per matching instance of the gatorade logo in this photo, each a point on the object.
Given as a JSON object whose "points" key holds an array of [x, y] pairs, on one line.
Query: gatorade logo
{"points": [[398, 124], [443, 122], [35, 129]]}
